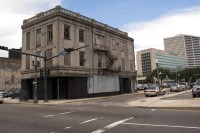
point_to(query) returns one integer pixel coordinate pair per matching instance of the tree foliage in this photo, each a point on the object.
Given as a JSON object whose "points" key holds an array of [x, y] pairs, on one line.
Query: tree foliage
{"points": [[186, 74]]}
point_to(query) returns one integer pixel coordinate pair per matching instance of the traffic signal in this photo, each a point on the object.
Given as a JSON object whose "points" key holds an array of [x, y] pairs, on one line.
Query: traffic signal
{"points": [[68, 50], [41, 73], [3, 48], [48, 73]]}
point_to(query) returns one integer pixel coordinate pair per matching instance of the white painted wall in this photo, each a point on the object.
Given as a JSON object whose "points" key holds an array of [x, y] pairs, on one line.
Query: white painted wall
{"points": [[99, 84]]}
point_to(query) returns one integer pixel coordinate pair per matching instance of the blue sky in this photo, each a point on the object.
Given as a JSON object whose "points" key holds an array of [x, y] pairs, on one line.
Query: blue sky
{"points": [[147, 21], [120, 12]]}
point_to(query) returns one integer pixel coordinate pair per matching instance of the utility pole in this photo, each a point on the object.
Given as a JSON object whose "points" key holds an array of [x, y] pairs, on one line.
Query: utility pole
{"points": [[158, 75]]}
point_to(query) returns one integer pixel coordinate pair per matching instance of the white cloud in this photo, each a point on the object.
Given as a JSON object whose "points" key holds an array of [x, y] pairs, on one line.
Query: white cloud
{"points": [[150, 34], [13, 13]]}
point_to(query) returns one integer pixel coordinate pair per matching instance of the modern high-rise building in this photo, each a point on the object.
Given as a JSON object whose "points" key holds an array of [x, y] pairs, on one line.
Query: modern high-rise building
{"points": [[185, 46], [146, 61], [105, 67]]}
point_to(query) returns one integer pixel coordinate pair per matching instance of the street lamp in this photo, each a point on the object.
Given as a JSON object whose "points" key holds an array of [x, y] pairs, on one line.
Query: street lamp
{"points": [[35, 62], [178, 77], [158, 75]]}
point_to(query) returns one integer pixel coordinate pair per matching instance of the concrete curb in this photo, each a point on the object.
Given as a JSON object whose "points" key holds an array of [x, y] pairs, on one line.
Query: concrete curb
{"points": [[53, 102], [172, 108], [159, 103]]}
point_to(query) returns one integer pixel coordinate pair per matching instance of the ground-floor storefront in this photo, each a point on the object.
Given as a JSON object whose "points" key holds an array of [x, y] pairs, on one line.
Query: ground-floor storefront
{"points": [[76, 87]]}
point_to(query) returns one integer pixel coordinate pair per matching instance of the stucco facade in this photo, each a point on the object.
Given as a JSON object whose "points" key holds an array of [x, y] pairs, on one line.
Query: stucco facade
{"points": [[106, 65], [10, 74]]}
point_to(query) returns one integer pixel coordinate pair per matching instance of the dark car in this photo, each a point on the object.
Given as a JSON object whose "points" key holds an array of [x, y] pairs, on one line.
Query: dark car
{"points": [[196, 89], [15, 95]]}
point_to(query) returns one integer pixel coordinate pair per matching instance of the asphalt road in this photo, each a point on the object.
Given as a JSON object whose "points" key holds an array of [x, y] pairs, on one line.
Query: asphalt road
{"points": [[87, 118]]}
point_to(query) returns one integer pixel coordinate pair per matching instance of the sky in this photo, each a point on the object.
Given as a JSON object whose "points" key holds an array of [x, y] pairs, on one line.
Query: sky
{"points": [[148, 22]]}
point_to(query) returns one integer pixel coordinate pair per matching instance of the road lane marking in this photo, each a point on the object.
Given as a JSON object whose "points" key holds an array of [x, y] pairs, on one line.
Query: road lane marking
{"points": [[68, 127], [66, 113], [152, 125], [90, 120], [48, 115], [111, 125]]}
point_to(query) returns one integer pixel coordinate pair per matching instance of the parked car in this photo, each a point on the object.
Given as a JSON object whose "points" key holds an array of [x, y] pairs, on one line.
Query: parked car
{"points": [[15, 95], [196, 89], [4, 93], [176, 87], [184, 84], [1, 98], [154, 91], [141, 86]]}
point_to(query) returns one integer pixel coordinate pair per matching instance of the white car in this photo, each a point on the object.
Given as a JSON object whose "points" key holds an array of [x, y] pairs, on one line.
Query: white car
{"points": [[154, 91], [1, 98]]}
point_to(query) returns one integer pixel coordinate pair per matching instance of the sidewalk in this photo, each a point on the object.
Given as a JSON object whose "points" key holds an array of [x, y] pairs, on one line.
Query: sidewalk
{"points": [[150, 102], [160, 103]]}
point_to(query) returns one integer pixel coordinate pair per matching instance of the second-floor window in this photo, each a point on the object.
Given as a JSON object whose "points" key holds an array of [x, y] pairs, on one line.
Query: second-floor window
{"points": [[66, 32], [82, 58], [27, 61], [49, 34], [123, 64], [99, 60], [131, 65], [28, 40], [67, 60], [81, 35], [49, 54]]}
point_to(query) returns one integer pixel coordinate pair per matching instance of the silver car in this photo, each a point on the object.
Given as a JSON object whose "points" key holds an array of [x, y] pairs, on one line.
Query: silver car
{"points": [[176, 87], [154, 91]]}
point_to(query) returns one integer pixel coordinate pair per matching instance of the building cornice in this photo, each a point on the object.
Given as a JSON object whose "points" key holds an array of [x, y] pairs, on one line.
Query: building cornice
{"points": [[59, 11]]}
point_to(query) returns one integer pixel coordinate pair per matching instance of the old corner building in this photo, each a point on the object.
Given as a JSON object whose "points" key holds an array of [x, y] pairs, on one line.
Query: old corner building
{"points": [[105, 67]]}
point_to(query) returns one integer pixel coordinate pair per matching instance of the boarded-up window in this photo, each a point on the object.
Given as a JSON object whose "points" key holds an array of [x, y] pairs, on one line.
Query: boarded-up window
{"points": [[27, 61], [123, 64], [67, 60], [49, 34], [28, 40], [81, 35], [99, 39], [131, 65], [66, 32], [99, 60], [122, 47], [81, 58], [38, 38], [113, 44]]}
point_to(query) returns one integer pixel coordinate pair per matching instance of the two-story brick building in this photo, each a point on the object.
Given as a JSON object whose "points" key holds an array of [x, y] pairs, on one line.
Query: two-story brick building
{"points": [[105, 67]]}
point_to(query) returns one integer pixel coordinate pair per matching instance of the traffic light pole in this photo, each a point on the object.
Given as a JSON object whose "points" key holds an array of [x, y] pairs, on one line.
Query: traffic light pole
{"points": [[35, 91], [65, 52], [45, 77]]}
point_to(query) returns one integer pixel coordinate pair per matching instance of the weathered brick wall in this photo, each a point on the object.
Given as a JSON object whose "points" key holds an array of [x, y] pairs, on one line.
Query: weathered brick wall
{"points": [[10, 74]]}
